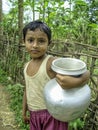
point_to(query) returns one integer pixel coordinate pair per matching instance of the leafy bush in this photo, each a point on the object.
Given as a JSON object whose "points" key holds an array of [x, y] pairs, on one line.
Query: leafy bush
{"points": [[3, 77], [76, 125], [16, 96]]}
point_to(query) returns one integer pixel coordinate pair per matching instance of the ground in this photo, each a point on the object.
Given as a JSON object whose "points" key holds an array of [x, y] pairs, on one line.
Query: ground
{"points": [[7, 118]]}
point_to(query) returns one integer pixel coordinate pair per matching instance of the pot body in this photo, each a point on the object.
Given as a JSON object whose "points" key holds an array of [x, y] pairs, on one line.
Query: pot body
{"points": [[67, 104]]}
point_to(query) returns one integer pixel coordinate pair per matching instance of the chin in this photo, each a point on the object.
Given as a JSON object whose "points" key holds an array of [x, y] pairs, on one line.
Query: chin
{"points": [[37, 56]]}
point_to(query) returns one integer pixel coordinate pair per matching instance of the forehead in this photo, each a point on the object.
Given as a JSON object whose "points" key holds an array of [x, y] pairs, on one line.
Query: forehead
{"points": [[36, 33]]}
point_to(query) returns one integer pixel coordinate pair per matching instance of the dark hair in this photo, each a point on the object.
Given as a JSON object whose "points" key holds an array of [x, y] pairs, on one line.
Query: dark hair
{"points": [[37, 24]]}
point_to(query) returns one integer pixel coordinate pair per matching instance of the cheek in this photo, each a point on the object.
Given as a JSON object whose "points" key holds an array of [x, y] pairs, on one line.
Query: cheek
{"points": [[27, 46], [45, 49]]}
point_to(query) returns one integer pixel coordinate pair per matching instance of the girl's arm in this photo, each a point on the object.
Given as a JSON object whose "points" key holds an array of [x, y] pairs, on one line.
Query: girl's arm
{"points": [[25, 109], [67, 82]]}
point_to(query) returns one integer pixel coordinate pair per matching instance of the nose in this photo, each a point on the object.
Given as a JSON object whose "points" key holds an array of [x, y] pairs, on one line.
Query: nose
{"points": [[35, 44]]}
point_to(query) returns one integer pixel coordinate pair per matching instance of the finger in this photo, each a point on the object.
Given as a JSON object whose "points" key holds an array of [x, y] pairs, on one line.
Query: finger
{"points": [[27, 121], [58, 77], [59, 81]]}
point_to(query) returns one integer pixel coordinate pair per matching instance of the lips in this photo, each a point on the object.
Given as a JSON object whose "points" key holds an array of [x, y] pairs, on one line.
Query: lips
{"points": [[34, 51]]}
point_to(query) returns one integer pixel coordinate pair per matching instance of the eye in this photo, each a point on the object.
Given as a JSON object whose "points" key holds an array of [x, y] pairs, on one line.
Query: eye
{"points": [[41, 41], [30, 40]]}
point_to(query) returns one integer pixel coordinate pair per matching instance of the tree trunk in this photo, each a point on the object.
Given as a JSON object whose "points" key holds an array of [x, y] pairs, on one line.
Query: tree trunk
{"points": [[20, 20], [1, 29], [1, 26]]}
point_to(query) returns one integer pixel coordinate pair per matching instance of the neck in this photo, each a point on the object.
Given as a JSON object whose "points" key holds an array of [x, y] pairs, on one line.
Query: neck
{"points": [[39, 58]]}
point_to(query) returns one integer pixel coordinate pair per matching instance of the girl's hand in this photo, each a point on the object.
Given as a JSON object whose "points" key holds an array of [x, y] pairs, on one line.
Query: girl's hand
{"points": [[67, 82], [26, 119]]}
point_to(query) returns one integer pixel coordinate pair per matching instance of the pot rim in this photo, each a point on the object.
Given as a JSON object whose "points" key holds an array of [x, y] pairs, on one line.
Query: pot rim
{"points": [[70, 71]]}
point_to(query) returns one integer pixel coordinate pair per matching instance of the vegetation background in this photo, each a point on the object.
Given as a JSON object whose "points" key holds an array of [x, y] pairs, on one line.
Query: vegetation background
{"points": [[74, 25]]}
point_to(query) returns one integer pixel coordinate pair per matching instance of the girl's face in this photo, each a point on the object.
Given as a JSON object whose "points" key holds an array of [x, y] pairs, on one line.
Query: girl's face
{"points": [[36, 43]]}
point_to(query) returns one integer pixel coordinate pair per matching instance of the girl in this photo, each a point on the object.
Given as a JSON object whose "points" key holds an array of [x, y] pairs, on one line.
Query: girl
{"points": [[37, 72]]}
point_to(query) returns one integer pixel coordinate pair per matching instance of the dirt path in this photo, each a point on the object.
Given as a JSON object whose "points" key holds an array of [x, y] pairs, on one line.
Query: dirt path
{"points": [[7, 118]]}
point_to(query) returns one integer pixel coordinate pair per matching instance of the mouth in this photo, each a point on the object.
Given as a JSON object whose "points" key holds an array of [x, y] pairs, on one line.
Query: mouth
{"points": [[34, 51]]}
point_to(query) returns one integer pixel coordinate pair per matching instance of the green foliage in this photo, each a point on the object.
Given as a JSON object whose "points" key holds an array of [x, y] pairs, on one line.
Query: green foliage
{"points": [[77, 21], [76, 125], [3, 77], [16, 97]]}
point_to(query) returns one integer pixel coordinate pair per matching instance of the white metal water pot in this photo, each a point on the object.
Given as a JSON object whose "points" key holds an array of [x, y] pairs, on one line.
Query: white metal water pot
{"points": [[67, 104]]}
